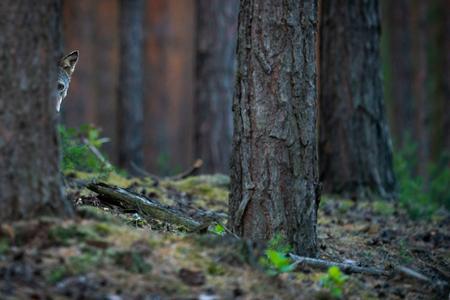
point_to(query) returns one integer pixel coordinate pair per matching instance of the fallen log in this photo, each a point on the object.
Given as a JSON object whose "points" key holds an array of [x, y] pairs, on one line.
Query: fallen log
{"points": [[145, 206]]}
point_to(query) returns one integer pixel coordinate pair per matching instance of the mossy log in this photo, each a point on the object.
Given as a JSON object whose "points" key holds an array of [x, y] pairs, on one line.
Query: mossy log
{"points": [[147, 207]]}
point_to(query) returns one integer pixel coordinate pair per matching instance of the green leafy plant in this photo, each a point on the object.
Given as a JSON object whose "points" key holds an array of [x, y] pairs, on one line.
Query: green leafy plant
{"points": [[334, 281], [77, 145], [276, 260], [218, 229]]}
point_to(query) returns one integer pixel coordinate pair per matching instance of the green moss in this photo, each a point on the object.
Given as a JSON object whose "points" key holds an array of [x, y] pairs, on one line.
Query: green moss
{"points": [[4, 246], [132, 261], [207, 187], [56, 274], [345, 205], [103, 229], [383, 208], [215, 269], [98, 214], [62, 234], [86, 262]]}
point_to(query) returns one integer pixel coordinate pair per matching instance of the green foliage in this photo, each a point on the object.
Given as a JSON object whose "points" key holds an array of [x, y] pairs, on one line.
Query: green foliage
{"points": [[419, 197], [132, 261], [276, 260], [219, 229], [279, 243], [334, 281], [383, 208], [56, 274], [76, 154], [4, 246]]}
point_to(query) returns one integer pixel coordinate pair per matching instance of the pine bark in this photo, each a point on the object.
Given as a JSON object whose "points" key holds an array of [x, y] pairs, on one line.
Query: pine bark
{"points": [[355, 146], [215, 68], [130, 101], [274, 172], [30, 182]]}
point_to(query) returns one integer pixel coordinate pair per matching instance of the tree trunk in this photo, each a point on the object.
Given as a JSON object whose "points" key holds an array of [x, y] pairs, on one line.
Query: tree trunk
{"points": [[30, 182], [215, 59], [398, 39], [130, 108], [439, 70], [421, 103], [355, 147], [274, 175]]}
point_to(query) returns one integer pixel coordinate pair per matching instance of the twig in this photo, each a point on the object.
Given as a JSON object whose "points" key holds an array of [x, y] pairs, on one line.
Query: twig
{"points": [[195, 167], [144, 173], [350, 268], [97, 154], [347, 268]]}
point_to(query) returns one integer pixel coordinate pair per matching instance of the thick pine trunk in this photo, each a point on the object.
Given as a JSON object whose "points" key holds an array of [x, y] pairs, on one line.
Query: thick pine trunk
{"points": [[130, 109], [215, 67], [30, 182], [355, 147], [274, 175]]}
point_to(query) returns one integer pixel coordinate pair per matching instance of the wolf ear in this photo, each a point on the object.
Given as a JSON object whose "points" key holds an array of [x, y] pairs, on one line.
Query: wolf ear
{"points": [[69, 62]]}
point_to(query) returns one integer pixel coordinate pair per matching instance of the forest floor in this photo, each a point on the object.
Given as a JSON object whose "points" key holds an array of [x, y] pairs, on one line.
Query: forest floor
{"points": [[108, 253]]}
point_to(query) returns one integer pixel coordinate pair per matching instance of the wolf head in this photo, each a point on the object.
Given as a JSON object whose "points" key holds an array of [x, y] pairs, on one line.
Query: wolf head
{"points": [[66, 67]]}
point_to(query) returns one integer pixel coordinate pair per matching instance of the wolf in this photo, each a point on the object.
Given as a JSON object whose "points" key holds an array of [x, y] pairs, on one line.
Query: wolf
{"points": [[66, 67]]}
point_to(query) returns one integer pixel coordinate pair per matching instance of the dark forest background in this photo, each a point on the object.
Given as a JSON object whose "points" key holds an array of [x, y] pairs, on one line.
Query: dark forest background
{"points": [[415, 71]]}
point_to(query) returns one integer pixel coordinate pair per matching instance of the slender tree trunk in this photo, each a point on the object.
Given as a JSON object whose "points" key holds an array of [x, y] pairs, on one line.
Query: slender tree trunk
{"points": [[274, 175], [215, 59], [439, 76], [30, 182], [398, 39], [130, 108], [421, 103], [355, 147]]}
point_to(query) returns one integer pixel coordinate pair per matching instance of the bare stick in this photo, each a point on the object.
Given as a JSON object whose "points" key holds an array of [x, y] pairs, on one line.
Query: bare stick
{"points": [[97, 154], [345, 267], [191, 171], [350, 268], [197, 165], [144, 173]]}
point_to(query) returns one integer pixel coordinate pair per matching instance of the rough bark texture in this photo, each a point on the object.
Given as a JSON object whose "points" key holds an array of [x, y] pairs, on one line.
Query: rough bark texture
{"points": [[274, 174], [130, 109], [30, 182], [215, 68], [355, 147]]}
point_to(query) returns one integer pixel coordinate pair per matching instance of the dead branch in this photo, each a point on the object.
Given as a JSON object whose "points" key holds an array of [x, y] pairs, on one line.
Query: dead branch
{"points": [[148, 207], [144, 173], [345, 267], [195, 167], [97, 154], [351, 268], [191, 171]]}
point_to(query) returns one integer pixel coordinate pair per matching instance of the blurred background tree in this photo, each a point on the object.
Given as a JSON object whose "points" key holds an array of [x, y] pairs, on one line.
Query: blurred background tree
{"points": [[355, 144], [415, 66], [215, 67]]}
